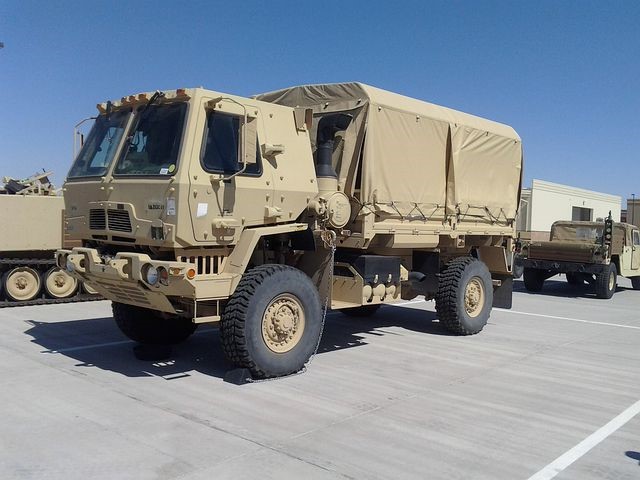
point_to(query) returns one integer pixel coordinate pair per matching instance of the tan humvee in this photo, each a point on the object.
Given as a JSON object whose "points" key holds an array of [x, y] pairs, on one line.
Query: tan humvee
{"points": [[196, 206], [594, 253]]}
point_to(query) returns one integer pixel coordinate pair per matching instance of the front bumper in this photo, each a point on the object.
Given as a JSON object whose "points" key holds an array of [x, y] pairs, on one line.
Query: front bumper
{"points": [[121, 279]]}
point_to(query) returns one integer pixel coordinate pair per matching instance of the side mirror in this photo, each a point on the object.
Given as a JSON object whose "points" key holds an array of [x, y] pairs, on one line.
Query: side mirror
{"points": [[303, 118], [249, 135]]}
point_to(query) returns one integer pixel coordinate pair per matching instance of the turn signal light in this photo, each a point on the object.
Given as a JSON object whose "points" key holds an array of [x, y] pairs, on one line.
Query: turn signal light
{"points": [[191, 273]]}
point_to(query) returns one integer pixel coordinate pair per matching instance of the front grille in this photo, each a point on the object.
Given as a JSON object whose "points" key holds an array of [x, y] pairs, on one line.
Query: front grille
{"points": [[97, 219], [119, 220], [207, 264]]}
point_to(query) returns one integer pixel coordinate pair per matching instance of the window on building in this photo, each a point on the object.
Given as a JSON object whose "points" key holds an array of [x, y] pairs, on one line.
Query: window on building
{"points": [[581, 213]]}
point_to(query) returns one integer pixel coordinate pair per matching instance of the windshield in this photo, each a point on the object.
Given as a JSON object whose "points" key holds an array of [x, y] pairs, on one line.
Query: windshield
{"points": [[98, 151], [152, 148]]}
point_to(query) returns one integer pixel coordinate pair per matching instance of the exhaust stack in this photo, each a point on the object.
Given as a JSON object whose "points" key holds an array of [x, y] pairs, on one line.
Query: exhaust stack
{"points": [[328, 126]]}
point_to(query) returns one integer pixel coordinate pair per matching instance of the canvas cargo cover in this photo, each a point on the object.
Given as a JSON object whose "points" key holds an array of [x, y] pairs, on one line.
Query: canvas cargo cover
{"points": [[417, 158], [590, 232]]}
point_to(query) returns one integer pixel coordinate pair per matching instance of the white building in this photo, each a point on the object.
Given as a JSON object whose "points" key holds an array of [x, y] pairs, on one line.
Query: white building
{"points": [[546, 202]]}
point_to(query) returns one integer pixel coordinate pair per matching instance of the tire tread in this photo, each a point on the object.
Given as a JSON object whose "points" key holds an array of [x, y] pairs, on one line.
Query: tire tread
{"points": [[232, 324], [448, 290]]}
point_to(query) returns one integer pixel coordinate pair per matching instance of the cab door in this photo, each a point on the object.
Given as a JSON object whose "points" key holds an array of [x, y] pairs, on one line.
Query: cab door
{"points": [[635, 250], [228, 194]]}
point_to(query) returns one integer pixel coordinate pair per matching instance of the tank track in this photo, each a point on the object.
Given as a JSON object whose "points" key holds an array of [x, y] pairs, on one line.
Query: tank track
{"points": [[83, 297], [41, 262]]}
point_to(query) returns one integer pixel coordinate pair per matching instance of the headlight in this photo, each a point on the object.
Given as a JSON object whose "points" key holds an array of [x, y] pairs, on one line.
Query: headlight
{"points": [[69, 265], [163, 275], [150, 274]]}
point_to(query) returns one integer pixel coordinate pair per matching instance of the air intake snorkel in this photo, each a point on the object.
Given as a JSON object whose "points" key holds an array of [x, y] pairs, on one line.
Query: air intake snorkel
{"points": [[328, 126]]}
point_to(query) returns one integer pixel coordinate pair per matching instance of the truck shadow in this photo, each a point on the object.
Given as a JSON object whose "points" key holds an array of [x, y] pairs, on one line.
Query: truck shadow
{"points": [[560, 288], [97, 343]]}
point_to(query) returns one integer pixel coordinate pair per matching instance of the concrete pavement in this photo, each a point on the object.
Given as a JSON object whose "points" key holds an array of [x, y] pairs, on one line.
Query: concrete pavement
{"points": [[391, 396]]}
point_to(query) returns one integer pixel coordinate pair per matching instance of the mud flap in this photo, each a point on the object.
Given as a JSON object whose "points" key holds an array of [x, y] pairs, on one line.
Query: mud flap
{"points": [[318, 265], [503, 295]]}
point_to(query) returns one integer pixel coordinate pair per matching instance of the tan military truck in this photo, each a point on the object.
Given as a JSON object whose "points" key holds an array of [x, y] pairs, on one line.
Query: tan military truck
{"points": [[32, 217], [592, 253], [196, 206]]}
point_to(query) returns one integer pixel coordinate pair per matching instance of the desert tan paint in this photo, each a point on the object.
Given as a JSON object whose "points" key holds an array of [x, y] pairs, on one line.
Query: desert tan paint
{"points": [[622, 244], [21, 217], [432, 178]]}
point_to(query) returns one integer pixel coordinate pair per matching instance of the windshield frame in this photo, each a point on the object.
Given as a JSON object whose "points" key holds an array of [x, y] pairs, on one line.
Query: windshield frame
{"points": [[116, 153], [135, 123]]}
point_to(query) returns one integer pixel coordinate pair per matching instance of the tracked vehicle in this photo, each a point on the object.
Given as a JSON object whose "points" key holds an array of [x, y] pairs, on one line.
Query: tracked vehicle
{"points": [[32, 218], [195, 206]]}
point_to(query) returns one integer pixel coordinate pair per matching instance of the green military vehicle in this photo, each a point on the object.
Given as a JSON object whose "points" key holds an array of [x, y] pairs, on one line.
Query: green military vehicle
{"points": [[195, 206], [587, 253]]}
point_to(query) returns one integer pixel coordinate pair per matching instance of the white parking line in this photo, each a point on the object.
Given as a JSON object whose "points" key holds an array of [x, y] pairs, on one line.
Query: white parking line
{"points": [[85, 347], [108, 344], [566, 459], [567, 318]]}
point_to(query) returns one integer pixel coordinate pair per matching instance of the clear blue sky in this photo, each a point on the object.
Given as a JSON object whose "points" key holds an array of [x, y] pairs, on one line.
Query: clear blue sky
{"points": [[564, 74]]}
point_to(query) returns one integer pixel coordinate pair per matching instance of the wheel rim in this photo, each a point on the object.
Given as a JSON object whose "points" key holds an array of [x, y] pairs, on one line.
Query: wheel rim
{"points": [[283, 323], [60, 284], [88, 289], [22, 284], [474, 297], [612, 280]]}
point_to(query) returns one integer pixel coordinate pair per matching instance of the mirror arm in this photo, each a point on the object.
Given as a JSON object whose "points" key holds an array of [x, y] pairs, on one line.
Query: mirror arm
{"points": [[76, 133], [244, 136]]}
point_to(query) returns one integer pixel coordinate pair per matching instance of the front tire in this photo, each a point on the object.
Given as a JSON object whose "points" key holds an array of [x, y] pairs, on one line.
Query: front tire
{"points": [[150, 327], [465, 296], [635, 283], [533, 279], [606, 282], [273, 321]]}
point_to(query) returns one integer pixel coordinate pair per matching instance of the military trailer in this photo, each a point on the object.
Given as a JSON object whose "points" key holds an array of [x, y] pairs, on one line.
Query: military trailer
{"points": [[32, 217], [587, 253], [195, 206]]}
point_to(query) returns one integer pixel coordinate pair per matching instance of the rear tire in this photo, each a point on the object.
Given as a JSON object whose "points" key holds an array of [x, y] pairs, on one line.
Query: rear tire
{"points": [[607, 281], [273, 321], [465, 296], [363, 311], [147, 326], [533, 279], [635, 283]]}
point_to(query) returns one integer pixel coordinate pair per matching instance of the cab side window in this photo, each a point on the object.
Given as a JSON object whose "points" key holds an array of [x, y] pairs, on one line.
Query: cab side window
{"points": [[221, 146], [636, 238]]}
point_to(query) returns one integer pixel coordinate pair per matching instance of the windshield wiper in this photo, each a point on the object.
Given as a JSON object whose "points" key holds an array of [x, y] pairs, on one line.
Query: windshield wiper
{"points": [[141, 116]]}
